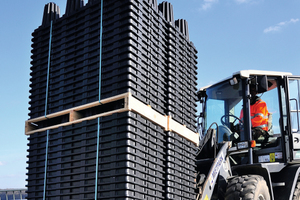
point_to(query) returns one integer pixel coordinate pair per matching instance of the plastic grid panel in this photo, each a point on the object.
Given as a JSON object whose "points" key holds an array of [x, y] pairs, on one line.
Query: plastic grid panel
{"points": [[181, 168], [153, 50]]}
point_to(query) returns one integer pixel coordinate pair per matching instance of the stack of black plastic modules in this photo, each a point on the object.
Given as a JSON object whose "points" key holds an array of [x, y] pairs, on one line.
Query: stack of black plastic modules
{"points": [[135, 46]]}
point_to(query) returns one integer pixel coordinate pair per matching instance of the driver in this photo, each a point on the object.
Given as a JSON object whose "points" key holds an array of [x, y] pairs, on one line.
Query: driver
{"points": [[259, 115]]}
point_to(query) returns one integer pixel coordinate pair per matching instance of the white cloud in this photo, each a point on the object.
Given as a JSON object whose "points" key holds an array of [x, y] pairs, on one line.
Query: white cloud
{"points": [[272, 29], [207, 4], [1, 163], [279, 26], [242, 1], [250, 2], [294, 20]]}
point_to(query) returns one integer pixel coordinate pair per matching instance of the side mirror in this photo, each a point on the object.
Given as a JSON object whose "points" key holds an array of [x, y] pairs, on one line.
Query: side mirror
{"points": [[262, 84], [201, 94]]}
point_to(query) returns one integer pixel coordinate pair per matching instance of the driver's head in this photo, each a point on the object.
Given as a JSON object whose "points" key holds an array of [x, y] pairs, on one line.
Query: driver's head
{"points": [[253, 91]]}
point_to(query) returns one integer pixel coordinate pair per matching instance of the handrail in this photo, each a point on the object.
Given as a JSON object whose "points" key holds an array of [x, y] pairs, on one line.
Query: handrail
{"points": [[297, 111]]}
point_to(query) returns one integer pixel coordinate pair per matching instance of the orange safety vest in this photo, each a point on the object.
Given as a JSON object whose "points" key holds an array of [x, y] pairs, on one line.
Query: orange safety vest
{"points": [[259, 115]]}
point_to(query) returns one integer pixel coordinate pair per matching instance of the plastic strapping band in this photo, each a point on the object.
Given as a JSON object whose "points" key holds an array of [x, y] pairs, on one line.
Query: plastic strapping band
{"points": [[48, 72], [97, 159], [98, 132], [46, 164], [100, 56]]}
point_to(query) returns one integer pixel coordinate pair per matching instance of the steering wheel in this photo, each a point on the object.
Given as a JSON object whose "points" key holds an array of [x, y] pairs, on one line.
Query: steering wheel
{"points": [[232, 129], [229, 115]]}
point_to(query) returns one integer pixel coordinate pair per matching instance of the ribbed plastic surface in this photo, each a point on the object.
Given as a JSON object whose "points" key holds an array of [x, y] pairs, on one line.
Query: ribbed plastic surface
{"points": [[150, 58], [73, 6], [145, 52], [131, 159], [180, 174], [51, 13]]}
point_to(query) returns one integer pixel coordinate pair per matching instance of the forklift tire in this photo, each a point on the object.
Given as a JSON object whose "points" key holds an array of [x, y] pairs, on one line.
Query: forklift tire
{"points": [[296, 195], [247, 187]]}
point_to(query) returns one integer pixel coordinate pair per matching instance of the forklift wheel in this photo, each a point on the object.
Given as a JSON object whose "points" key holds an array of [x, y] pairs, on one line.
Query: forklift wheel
{"points": [[250, 187], [296, 195]]}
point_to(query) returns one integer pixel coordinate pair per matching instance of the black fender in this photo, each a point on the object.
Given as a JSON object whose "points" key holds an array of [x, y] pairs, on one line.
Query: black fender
{"points": [[289, 176], [255, 169], [281, 176]]}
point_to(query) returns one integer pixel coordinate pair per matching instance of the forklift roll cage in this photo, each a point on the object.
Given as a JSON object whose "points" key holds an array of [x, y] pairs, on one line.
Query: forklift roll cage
{"points": [[277, 161]]}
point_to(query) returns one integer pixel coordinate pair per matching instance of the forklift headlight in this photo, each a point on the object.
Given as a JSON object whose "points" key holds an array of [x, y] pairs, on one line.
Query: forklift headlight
{"points": [[243, 145]]}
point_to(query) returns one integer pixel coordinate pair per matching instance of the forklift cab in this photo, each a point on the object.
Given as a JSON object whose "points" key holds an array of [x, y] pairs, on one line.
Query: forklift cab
{"points": [[224, 102]]}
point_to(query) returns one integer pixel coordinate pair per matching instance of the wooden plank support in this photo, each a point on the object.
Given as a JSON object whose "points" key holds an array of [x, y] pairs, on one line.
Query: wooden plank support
{"points": [[183, 131], [164, 121], [75, 115], [146, 111]]}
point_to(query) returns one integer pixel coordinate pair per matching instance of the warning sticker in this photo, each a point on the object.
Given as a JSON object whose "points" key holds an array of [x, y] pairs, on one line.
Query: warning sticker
{"points": [[278, 155], [272, 157], [264, 158]]}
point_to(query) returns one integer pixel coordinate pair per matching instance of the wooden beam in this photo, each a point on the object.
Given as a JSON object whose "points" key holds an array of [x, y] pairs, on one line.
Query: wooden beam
{"points": [[130, 104], [183, 131], [74, 115], [77, 121], [164, 121], [147, 112], [78, 108]]}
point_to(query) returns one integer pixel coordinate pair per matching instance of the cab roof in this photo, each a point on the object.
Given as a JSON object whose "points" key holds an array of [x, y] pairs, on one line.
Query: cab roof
{"points": [[248, 73]]}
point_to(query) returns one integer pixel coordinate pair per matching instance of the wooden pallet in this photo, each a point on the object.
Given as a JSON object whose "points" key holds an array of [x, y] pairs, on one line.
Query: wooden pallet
{"points": [[124, 102]]}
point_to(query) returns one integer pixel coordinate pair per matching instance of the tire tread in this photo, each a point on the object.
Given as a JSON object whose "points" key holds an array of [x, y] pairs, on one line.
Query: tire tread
{"points": [[243, 187]]}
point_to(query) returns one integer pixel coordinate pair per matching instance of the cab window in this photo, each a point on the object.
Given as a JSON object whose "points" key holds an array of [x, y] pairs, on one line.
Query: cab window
{"points": [[294, 88], [271, 99]]}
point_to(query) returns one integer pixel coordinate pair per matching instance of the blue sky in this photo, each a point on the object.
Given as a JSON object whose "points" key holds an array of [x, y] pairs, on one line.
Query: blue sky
{"points": [[230, 35]]}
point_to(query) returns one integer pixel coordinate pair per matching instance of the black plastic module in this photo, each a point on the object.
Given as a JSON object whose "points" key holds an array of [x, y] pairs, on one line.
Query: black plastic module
{"points": [[145, 51]]}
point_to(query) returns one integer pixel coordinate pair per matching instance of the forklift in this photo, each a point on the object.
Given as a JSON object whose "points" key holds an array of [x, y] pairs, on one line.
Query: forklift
{"points": [[233, 162]]}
